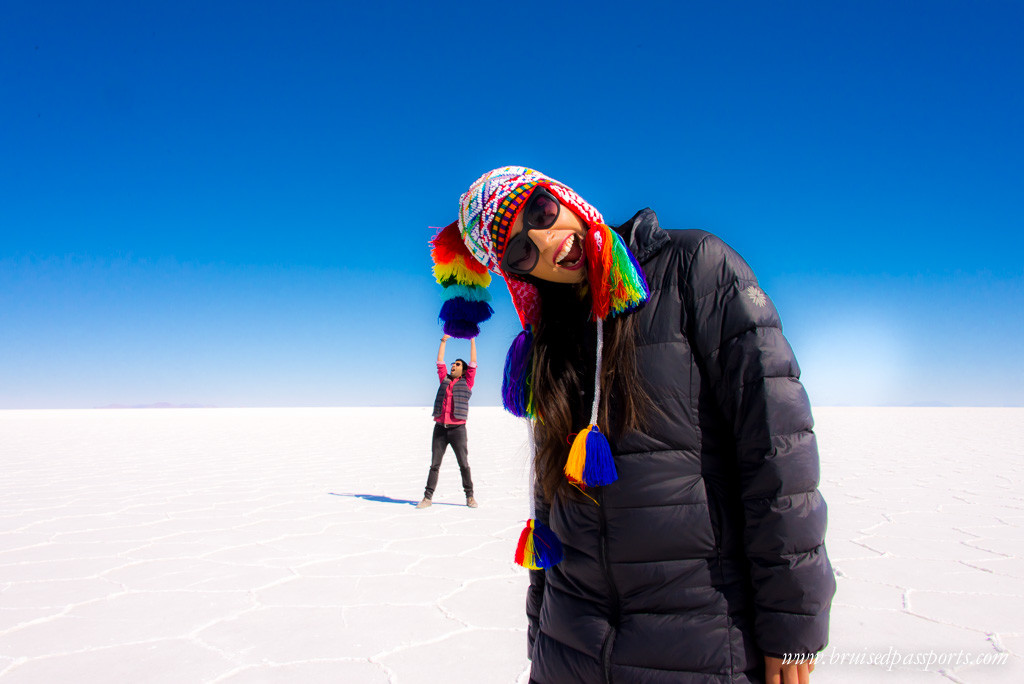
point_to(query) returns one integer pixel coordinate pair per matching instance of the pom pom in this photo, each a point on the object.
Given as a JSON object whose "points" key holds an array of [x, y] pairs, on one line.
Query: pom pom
{"points": [[453, 261], [463, 258], [538, 547], [464, 279], [516, 384], [458, 309], [447, 246], [590, 462]]}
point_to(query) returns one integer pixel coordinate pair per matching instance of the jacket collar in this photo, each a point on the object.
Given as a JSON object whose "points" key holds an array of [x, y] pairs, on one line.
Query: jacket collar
{"points": [[643, 235]]}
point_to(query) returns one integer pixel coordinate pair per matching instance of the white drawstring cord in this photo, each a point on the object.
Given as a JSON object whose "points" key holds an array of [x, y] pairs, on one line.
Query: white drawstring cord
{"points": [[597, 371], [533, 469], [593, 419]]}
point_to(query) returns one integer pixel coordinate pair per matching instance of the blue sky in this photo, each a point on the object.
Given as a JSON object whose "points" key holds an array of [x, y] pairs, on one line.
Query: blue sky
{"points": [[228, 203]]}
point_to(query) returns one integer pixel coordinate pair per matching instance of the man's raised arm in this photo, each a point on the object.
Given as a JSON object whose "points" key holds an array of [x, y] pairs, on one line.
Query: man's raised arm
{"points": [[440, 350]]}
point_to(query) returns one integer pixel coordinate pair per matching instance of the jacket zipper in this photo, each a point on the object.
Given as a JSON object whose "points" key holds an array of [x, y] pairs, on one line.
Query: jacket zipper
{"points": [[613, 592], [717, 517]]}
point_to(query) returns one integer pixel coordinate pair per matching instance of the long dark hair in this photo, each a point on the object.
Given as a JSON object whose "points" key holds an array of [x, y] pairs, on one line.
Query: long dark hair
{"points": [[564, 354]]}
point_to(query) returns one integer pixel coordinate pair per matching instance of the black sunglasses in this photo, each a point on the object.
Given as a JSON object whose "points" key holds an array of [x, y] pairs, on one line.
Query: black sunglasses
{"points": [[540, 213]]}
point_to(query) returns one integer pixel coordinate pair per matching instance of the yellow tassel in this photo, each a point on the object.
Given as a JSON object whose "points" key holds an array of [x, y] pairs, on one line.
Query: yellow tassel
{"points": [[577, 457], [524, 556]]}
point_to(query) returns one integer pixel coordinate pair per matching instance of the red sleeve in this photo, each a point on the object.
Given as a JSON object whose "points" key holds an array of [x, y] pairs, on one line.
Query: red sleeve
{"points": [[470, 375], [442, 372]]}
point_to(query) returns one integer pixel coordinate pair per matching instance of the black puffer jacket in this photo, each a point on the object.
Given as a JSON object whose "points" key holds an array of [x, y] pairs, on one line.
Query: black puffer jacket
{"points": [[709, 549]]}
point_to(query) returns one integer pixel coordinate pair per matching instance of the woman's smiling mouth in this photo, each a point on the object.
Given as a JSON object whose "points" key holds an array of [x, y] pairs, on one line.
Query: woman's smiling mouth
{"points": [[571, 254]]}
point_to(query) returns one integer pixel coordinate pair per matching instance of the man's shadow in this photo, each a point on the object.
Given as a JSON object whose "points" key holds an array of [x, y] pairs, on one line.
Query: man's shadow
{"points": [[377, 498]]}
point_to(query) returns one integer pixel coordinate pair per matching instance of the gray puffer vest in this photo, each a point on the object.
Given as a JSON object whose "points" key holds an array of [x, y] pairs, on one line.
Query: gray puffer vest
{"points": [[460, 398]]}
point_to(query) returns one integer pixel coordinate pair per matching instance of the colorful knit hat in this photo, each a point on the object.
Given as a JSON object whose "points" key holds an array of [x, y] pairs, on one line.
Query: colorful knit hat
{"points": [[486, 213]]}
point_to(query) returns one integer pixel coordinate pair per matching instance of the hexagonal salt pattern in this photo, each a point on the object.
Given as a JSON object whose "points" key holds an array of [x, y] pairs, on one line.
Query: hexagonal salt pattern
{"points": [[282, 545]]}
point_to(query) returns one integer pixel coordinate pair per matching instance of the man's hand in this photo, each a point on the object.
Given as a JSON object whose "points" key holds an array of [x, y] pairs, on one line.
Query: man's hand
{"points": [[791, 673]]}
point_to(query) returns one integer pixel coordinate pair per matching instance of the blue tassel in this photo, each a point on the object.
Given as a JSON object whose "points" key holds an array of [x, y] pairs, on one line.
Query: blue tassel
{"points": [[516, 381], [599, 468], [547, 547]]}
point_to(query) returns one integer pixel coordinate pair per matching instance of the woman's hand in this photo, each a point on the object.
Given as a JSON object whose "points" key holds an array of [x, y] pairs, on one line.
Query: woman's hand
{"points": [[775, 672], [445, 338]]}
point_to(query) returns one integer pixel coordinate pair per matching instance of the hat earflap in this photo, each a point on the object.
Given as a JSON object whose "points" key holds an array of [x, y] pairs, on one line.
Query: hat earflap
{"points": [[464, 279]]}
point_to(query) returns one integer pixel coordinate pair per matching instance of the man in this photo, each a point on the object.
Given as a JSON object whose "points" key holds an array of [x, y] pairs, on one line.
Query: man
{"points": [[451, 408]]}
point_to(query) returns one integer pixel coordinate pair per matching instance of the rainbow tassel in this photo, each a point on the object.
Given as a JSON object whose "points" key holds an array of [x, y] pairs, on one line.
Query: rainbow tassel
{"points": [[590, 462], [517, 382], [464, 280], [538, 547], [617, 282]]}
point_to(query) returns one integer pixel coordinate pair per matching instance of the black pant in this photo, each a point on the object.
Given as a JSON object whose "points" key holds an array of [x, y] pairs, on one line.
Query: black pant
{"points": [[443, 436]]}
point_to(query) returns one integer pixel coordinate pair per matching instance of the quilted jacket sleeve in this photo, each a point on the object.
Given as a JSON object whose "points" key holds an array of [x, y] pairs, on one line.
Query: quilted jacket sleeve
{"points": [[535, 594], [737, 335]]}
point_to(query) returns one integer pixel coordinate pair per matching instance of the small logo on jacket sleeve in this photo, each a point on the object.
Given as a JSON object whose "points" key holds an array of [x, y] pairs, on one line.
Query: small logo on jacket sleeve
{"points": [[756, 296]]}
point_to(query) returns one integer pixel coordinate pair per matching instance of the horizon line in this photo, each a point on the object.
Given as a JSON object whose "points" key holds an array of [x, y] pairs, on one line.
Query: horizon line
{"points": [[163, 406]]}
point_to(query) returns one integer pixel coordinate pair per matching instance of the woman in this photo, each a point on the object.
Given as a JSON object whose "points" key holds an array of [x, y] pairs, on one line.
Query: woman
{"points": [[691, 528]]}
